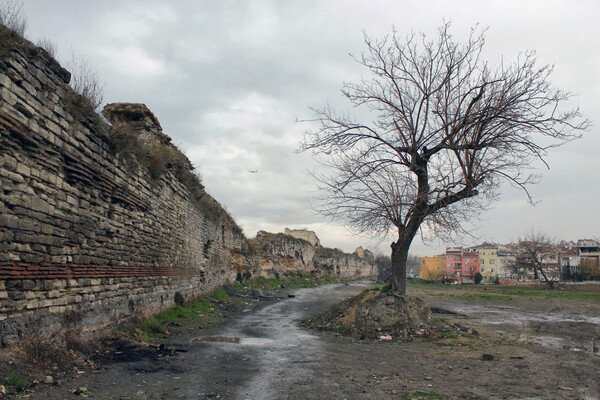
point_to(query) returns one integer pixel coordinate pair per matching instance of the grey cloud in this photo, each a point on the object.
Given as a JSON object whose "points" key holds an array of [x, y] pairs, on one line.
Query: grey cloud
{"points": [[198, 62]]}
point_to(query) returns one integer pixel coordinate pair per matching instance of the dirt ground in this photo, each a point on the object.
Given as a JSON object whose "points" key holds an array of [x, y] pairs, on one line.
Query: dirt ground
{"points": [[518, 348]]}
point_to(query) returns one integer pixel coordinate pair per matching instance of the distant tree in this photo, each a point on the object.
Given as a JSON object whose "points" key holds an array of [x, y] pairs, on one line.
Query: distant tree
{"points": [[534, 253], [589, 269], [441, 130], [478, 278], [412, 265], [384, 268]]}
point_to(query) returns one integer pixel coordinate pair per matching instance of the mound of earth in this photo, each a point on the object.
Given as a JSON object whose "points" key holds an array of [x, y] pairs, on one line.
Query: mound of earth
{"points": [[373, 314]]}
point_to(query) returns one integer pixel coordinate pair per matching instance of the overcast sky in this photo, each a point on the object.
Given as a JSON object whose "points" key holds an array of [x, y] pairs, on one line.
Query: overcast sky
{"points": [[227, 79]]}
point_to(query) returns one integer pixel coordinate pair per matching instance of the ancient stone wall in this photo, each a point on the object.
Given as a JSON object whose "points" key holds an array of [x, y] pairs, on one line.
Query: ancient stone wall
{"points": [[86, 238], [335, 262], [277, 254], [101, 222]]}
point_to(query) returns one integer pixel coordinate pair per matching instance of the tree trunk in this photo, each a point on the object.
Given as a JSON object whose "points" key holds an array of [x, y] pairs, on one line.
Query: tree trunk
{"points": [[399, 257], [549, 282]]}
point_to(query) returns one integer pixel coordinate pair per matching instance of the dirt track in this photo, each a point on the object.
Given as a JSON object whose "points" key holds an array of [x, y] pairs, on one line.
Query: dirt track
{"points": [[534, 350]]}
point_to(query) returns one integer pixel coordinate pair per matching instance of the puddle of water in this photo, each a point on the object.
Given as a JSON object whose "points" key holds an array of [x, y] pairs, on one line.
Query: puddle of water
{"points": [[244, 341], [254, 341], [223, 339]]}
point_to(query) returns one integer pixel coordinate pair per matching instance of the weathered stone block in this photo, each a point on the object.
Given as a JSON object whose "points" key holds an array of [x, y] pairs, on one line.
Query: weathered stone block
{"points": [[5, 81]]}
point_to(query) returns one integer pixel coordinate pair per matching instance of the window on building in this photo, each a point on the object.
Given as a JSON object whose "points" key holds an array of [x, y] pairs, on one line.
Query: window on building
{"points": [[492, 261], [482, 262]]}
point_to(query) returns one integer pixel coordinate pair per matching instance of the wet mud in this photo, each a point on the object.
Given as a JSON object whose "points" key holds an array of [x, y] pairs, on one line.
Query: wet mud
{"points": [[522, 350]]}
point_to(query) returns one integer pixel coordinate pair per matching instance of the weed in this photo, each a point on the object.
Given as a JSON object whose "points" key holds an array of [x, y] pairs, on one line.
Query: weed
{"points": [[151, 330], [13, 17], [219, 295], [13, 377], [292, 280], [47, 45], [40, 353], [385, 288], [84, 80], [155, 328]]}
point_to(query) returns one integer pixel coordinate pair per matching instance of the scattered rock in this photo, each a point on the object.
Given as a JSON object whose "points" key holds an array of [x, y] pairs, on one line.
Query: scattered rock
{"points": [[487, 357], [566, 388], [48, 379], [79, 391]]}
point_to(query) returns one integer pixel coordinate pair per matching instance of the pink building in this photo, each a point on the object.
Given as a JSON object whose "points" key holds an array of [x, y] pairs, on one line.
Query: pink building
{"points": [[470, 264], [454, 264], [461, 264]]}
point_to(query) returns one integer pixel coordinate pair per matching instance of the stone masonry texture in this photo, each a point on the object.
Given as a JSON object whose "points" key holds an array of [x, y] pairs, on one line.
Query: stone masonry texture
{"points": [[88, 239]]}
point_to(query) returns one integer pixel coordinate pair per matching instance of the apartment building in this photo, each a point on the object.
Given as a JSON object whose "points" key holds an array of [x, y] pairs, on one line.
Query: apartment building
{"points": [[506, 261], [488, 262], [432, 268], [471, 264], [454, 264]]}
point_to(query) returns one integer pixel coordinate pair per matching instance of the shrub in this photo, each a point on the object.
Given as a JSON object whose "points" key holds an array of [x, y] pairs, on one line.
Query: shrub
{"points": [[478, 278], [179, 299]]}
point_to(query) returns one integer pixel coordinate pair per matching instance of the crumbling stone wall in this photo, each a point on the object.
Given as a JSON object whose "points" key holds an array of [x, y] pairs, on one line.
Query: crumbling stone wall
{"points": [[277, 254], [86, 239], [336, 262], [305, 234]]}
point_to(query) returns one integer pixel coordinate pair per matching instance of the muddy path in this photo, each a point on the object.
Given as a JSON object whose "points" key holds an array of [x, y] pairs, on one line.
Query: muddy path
{"points": [[263, 353], [259, 354]]}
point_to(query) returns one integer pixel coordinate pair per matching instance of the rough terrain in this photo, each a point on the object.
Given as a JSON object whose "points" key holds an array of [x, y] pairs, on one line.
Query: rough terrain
{"points": [[520, 348]]}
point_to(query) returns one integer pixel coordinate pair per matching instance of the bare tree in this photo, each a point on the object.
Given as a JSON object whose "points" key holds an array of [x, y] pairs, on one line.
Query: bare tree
{"points": [[441, 126], [537, 254]]}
